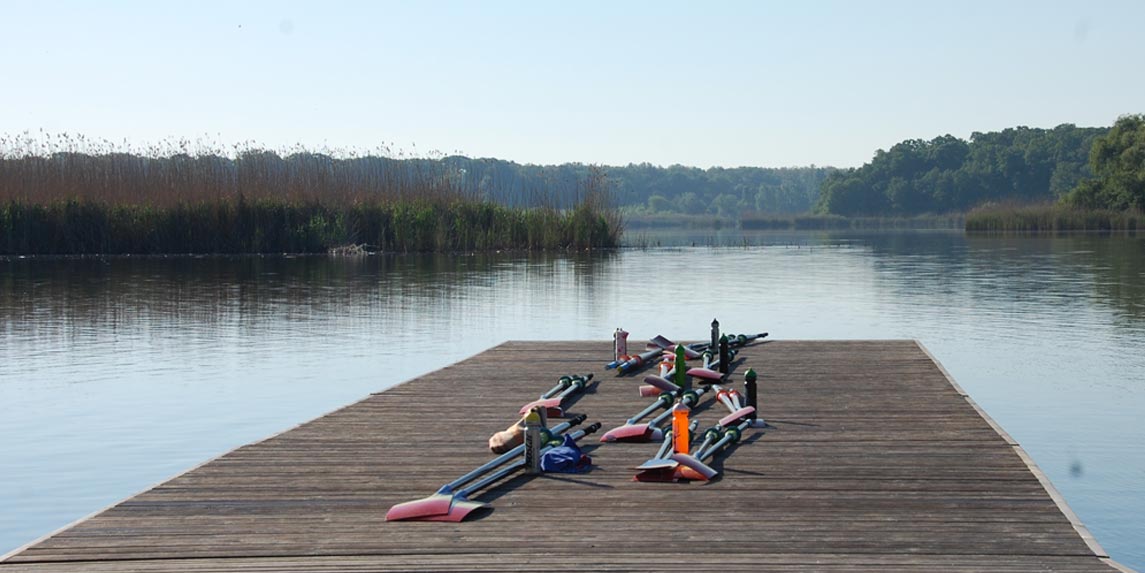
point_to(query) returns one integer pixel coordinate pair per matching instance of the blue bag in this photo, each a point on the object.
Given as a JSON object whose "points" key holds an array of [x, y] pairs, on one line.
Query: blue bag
{"points": [[566, 459]]}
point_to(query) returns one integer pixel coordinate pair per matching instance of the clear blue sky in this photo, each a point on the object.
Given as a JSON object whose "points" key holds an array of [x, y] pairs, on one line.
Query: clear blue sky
{"points": [[731, 83]]}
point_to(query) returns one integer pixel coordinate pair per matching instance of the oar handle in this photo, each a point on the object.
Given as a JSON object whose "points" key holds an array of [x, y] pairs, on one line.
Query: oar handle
{"points": [[689, 399], [577, 384], [731, 436], [638, 360], [562, 383]]}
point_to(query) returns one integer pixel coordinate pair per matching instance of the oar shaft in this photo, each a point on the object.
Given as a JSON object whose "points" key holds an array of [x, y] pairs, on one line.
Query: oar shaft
{"points": [[725, 440], [641, 414], [665, 445], [690, 399], [561, 385], [638, 360], [493, 477], [509, 455], [703, 447]]}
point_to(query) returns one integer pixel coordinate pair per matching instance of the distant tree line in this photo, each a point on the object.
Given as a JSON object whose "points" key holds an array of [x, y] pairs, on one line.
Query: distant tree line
{"points": [[948, 174], [652, 189]]}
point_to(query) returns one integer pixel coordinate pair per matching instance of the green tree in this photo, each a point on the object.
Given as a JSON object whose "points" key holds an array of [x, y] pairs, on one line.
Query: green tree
{"points": [[1117, 160]]}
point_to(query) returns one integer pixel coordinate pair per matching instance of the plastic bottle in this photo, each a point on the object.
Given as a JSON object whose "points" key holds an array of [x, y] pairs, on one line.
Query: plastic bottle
{"points": [[533, 442], [681, 439], [619, 344], [682, 379], [724, 356], [749, 388], [715, 335]]}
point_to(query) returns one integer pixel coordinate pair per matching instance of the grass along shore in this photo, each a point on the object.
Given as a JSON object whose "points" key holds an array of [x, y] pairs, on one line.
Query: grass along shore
{"points": [[78, 227], [1051, 218], [55, 200]]}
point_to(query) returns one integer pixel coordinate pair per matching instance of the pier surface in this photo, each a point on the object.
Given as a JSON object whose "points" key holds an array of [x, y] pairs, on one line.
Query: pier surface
{"points": [[876, 461]]}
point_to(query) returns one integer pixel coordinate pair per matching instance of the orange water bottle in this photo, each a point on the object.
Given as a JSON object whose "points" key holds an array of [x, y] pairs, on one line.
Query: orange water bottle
{"points": [[681, 441]]}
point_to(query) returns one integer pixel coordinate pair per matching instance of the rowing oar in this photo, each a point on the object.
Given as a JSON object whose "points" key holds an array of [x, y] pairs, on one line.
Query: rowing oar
{"points": [[461, 506], [552, 404], [440, 502], [562, 383], [637, 361], [694, 468], [658, 460], [708, 373], [737, 340], [650, 432], [654, 385], [736, 409], [682, 466], [692, 351], [656, 344]]}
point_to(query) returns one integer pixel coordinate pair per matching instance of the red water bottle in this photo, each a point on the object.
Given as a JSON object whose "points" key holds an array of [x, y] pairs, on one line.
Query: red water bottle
{"points": [[619, 344]]}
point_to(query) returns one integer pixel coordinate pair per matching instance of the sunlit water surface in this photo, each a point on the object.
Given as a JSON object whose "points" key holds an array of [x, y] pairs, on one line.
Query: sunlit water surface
{"points": [[116, 374]]}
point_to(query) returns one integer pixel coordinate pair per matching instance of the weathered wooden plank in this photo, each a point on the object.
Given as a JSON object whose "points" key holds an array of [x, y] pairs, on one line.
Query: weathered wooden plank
{"points": [[876, 461]]}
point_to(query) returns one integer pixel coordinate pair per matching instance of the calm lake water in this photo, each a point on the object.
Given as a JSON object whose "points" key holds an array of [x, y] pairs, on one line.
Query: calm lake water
{"points": [[117, 374]]}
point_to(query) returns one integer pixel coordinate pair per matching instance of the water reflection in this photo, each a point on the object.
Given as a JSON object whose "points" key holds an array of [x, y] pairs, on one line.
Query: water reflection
{"points": [[118, 373]]}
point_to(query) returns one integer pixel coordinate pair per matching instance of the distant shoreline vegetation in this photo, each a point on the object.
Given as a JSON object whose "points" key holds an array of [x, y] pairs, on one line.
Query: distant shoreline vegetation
{"points": [[812, 221], [1052, 218], [1019, 180], [54, 201]]}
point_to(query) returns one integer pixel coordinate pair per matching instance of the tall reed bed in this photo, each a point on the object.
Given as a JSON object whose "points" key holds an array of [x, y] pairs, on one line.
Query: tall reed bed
{"points": [[72, 196], [1051, 218]]}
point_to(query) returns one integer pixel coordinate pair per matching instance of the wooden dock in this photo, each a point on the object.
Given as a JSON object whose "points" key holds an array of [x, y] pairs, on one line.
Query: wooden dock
{"points": [[876, 461]]}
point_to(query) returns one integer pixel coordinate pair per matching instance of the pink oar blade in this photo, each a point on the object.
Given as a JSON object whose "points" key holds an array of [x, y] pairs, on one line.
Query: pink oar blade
{"points": [[690, 462], [436, 504], [706, 374], [734, 417], [549, 403], [649, 391], [661, 383], [457, 512], [633, 433]]}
